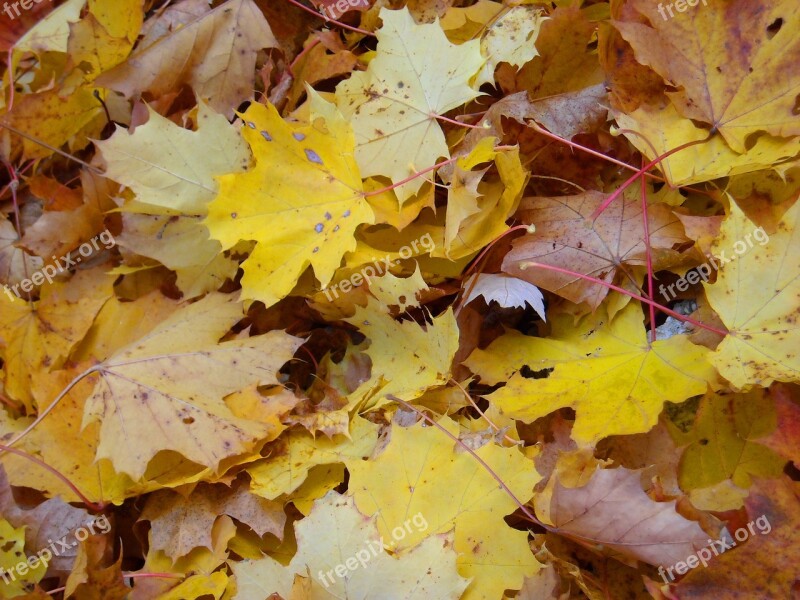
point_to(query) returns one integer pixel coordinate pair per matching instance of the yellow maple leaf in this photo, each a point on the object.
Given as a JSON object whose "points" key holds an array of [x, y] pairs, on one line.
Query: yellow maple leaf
{"points": [[415, 75], [342, 554], [724, 441], [172, 170], [733, 70], [477, 210], [507, 33], [297, 453], [37, 337], [422, 471], [608, 373], [407, 358], [56, 442], [17, 574], [51, 34], [662, 129], [165, 391], [302, 202], [756, 295]]}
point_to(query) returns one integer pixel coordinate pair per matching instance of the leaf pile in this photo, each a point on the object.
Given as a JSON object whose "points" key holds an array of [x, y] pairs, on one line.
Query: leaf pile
{"points": [[444, 299]]}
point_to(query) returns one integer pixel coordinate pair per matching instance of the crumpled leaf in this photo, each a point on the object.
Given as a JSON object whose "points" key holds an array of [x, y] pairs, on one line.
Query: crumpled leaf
{"points": [[236, 29], [294, 455], [508, 292], [90, 579], [429, 353]]}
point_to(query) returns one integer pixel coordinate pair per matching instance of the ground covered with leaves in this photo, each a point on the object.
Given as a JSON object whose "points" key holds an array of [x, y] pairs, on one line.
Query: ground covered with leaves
{"points": [[371, 299]]}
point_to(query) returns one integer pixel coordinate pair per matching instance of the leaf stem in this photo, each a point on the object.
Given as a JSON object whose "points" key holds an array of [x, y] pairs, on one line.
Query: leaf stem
{"points": [[454, 122], [648, 254], [618, 192]]}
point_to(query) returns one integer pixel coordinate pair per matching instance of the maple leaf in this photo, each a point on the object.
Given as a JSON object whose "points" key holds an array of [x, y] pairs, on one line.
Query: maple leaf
{"points": [[616, 382], [416, 75], [54, 441], [52, 119], [477, 211], [295, 455], [566, 236], [90, 578], [771, 540], [660, 129], [172, 172], [134, 380], [301, 203], [201, 561], [37, 338], [506, 34], [178, 524], [421, 471], [611, 509], [12, 548], [429, 353], [15, 264], [236, 29], [335, 533], [724, 442], [726, 73], [51, 520], [166, 378], [564, 62], [764, 337]]}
